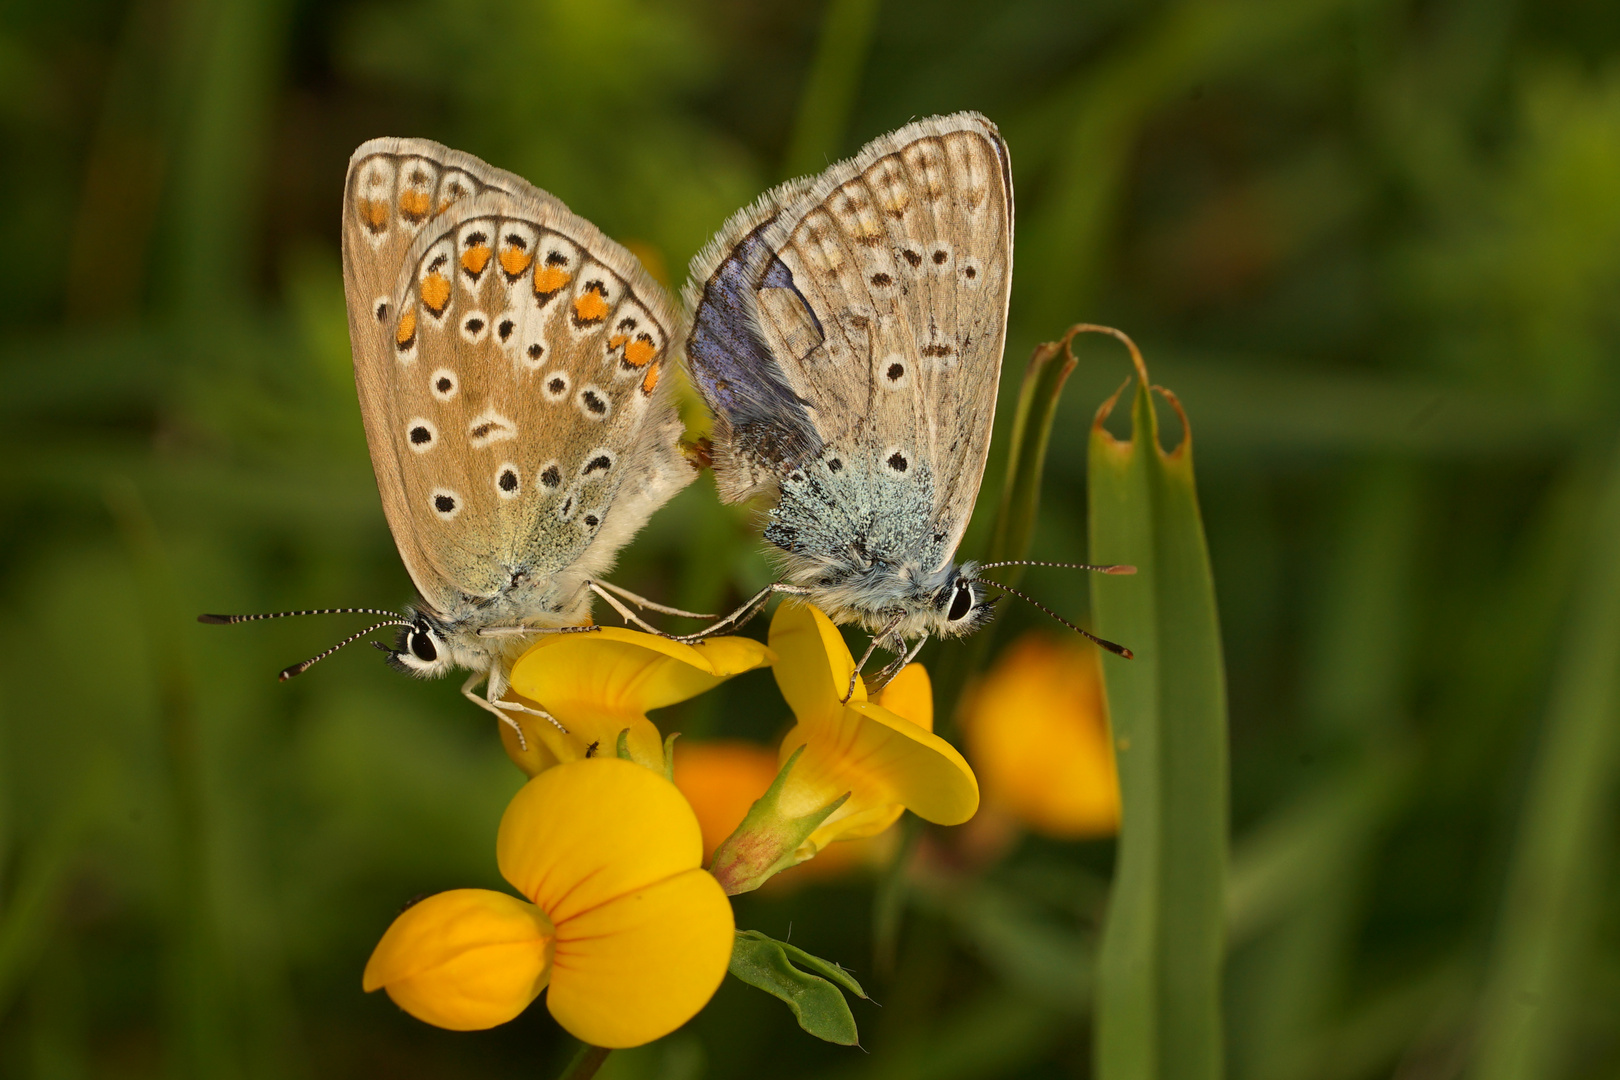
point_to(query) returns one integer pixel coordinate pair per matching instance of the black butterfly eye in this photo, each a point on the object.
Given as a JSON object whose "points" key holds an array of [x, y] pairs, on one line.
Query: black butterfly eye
{"points": [[961, 603], [421, 646]]}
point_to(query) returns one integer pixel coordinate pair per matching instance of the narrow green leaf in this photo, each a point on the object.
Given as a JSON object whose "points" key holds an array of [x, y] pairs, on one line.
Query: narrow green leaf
{"points": [[1049, 368], [829, 92], [817, 1003], [1158, 978], [825, 968], [1554, 886]]}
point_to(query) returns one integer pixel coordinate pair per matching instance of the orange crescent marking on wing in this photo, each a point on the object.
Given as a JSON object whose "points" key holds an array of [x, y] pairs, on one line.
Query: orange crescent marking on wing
{"points": [[474, 259], [414, 204], [435, 292], [548, 279], [640, 352], [515, 260], [590, 307]]}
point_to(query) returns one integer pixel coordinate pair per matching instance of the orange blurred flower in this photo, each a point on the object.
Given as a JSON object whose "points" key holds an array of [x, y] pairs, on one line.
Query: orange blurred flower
{"points": [[721, 779], [1037, 733]]}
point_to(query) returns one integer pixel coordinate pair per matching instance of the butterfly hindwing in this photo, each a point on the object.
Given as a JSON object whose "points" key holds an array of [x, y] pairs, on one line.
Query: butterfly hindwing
{"points": [[509, 361]]}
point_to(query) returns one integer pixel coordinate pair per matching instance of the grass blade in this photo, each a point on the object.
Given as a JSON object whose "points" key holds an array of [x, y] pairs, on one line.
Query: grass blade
{"points": [[1533, 985]]}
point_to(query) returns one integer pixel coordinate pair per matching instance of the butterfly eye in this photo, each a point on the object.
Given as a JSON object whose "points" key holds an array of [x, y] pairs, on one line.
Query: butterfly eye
{"points": [[421, 645], [961, 602]]}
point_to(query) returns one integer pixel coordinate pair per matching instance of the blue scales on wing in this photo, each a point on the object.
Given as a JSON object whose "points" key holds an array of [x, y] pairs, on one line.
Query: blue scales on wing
{"points": [[762, 422]]}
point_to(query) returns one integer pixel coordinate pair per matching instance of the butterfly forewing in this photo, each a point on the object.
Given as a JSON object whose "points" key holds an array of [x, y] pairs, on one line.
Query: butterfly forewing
{"points": [[885, 320], [509, 369]]}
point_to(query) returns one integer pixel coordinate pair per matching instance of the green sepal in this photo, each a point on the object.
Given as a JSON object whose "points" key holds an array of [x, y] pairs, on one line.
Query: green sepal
{"points": [[810, 986], [669, 755], [767, 842]]}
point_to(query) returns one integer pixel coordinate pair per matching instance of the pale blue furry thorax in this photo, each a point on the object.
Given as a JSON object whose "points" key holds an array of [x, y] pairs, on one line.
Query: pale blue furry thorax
{"points": [[863, 540]]}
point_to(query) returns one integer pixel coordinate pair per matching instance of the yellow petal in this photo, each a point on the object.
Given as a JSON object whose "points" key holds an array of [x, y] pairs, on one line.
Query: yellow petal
{"points": [[588, 832], [813, 665], [465, 960], [535, 754], [910, 694], [884, 761], [593, 731], [601, 683], [635, 968], [627, 670]]}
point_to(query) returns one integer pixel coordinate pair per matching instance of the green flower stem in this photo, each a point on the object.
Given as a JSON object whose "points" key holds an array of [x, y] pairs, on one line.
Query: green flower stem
{"points": [[1158, 976], [767, 841], [585, 1062]]}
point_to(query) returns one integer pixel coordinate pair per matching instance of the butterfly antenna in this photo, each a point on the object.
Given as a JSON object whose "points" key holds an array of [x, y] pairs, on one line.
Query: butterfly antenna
{"points": [[1119, 568], [226, 620], [1117, 650], [305, 665]]}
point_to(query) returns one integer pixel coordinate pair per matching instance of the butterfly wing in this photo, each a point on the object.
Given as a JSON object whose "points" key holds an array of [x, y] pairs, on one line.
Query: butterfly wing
{"points": [[859, 318], [508, 358]]}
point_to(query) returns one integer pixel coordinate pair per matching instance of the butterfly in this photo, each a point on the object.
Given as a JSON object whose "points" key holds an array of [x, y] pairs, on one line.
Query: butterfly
{"points": [[510, 362], [847, 333]]}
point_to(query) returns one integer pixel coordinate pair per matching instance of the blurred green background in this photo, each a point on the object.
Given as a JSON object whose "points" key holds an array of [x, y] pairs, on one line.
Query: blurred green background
{"points": [[1373, 245]]}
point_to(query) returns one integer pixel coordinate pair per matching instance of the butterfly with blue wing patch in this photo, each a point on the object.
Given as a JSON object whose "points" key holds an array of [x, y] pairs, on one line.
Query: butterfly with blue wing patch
{"points": [[847, 333]]}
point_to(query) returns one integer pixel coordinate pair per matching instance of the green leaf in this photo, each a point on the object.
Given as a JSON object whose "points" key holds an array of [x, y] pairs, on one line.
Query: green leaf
{"points": [[1158, 977], [1555, 887], [813, 995], [1049, 368]]}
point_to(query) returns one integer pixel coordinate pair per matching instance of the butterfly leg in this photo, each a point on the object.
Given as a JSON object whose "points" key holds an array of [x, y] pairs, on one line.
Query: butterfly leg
{"points": [[902, 657], [649, 605], [629, 616], [877, 638], [747, 611], [487, 701]]}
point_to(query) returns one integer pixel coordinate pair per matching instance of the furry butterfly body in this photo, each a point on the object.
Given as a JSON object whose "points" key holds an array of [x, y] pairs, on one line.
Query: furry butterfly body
{"points": [[847, 335], [509, 362]]}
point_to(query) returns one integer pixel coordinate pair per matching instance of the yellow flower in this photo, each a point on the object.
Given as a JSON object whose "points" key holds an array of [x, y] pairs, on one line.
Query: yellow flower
{"points": [[882, 752], [722, 778], [629, 934], [1037, 728], [605, 682]]}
